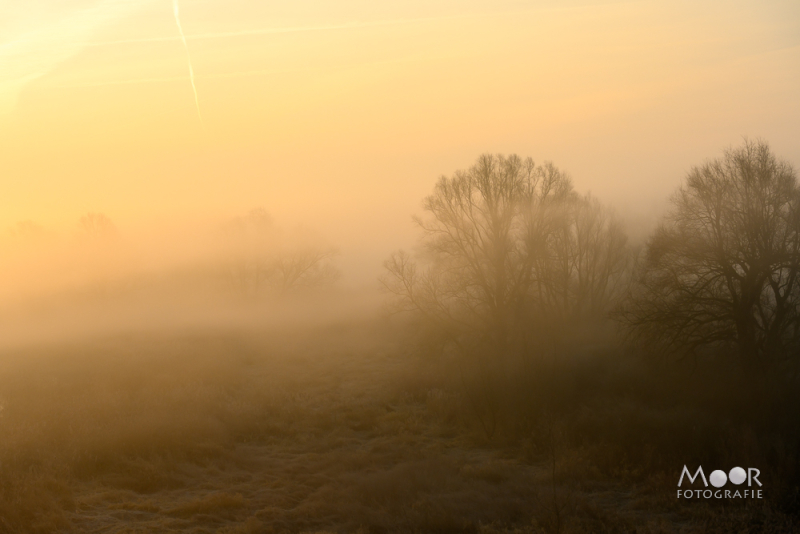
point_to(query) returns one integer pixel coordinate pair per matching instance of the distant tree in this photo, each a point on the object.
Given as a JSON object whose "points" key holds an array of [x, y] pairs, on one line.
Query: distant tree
{"points": [[307, 267], [29, 231], [249, 239], [259, 260], [96, 226], [723, 268], [29, 235]]}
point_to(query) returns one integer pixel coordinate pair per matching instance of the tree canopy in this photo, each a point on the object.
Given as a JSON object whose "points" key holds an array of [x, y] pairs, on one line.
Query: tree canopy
{"points": [[502, 239], [722, 271]]}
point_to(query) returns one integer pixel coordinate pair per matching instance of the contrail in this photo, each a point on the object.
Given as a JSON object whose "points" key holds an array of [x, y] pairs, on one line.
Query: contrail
{"points": [[188, 57]]}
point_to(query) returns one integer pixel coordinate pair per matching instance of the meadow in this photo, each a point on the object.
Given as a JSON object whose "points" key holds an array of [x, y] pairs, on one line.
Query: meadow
{"points": [[347, 426]]}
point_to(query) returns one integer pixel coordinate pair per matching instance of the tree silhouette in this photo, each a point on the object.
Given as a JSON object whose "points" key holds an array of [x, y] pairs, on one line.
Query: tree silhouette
{"points": [[723, 268], [502, 238], [582, 261], [97, 226], [259, 259], [479, 246], [506, 244]]}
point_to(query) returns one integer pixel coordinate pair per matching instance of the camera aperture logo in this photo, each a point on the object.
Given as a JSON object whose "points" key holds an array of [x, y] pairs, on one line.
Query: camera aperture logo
{"points": [[719, 479]]}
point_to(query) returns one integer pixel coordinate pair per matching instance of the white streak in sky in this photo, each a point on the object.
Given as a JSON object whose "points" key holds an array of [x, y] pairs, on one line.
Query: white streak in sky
{"points": [[188, 57]]}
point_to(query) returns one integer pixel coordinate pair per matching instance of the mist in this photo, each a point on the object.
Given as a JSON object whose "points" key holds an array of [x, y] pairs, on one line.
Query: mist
{"points": [[245, 272], [507, 267]]}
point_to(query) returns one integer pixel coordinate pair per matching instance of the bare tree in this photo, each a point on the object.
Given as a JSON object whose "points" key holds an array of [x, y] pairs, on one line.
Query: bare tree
{"points": [[502, 237], [504, 244], [723, 268], [259, 260], [97, 226], [250, 239], [479, 245], [583, 259], [308, 267]]}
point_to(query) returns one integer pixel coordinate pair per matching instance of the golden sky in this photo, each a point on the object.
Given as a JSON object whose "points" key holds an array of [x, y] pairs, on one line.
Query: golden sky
{"points": [[341, 115]]}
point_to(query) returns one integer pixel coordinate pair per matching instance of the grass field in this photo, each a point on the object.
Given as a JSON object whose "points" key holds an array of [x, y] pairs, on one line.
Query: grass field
{"points": [[338, 428]]}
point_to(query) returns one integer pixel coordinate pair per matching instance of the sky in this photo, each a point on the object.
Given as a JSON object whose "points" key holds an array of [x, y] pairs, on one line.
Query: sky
{"points": [[341, 115]]}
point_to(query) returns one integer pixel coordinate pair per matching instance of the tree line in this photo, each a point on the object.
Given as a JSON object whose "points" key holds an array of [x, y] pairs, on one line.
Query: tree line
{"points": [[511, 254]]}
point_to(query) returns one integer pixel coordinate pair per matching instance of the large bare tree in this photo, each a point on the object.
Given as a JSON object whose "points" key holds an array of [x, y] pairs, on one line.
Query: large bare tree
{"points": [[476, 247], [723, 268], [502, 238], [506, 246]]}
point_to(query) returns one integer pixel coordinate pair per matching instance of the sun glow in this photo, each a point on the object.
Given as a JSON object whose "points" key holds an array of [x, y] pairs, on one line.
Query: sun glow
{"points": [[312, 111]]}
